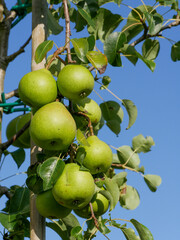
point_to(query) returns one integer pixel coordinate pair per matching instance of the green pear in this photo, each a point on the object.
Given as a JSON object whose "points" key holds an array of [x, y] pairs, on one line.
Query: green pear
{"points": [[25, 137], [74, 188], [100, 205], [96, 155], [75, 82], [90, 108], [53, 127], [11, 131], [37, 88], [48, 207]]}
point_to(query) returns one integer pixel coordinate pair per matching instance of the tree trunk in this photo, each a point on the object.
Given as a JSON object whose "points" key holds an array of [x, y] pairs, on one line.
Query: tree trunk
{"points": [[39, 18]]}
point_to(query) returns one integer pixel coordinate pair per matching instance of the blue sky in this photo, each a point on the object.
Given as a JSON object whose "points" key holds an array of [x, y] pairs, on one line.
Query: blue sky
{"points": [[157, 98]]}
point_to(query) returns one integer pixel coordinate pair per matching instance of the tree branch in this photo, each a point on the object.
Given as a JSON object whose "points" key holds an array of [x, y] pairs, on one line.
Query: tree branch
{"points": [[11, 94], [146, 36], [68, 31], [5, 191], [11, 57], [5, 145]]}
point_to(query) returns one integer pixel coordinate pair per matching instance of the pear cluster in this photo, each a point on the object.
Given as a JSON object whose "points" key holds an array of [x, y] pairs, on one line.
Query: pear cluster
{"points": [[54, 126]]}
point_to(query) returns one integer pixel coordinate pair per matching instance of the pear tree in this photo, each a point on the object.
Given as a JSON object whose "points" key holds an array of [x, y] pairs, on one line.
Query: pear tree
{"points": [[77, 174]]}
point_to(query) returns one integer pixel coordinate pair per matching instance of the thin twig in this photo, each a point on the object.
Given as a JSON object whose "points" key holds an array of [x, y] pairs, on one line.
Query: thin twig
{"points": [[11, 94], [5, 191], [11, 57], [68, 31], [143, 37], [55, 55], [5, 145]]}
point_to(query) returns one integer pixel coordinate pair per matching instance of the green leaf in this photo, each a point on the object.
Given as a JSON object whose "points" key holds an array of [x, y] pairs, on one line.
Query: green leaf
{"points": [[129, 233], [130, 53], [35, 183], [18, 156], [150, 63], [166, 2], [55, 67], [150, 49], [90, 6], [8, 221], [112, 44], [129, 197], [64, 226], [113, 114], [120, 178], [134, 25], [71, 221], [19, 203], [49, 171], [53, 25], [142, 144], [114, 126], [111, 110], [87, 17], [98, 60], [81, 138], [128, 157], [42, 50], [112, 187], [152, 181], [175, 52], [91, 42], [143, 231], [60, 228], [81, 47], [155, 22], [102, 227], [77, 232], [131, 110], [105, 23]]}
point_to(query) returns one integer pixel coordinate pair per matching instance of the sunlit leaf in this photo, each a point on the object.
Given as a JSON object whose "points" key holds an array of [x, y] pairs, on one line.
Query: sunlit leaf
{"points": [[56, 66], [152, 181], [142, 144], [102, 226], [130, 53], [50, 170], [106, 22], [120, 178], [128, 157], [81, 47], [112, 187], [81, 138], [150, 49], [42, 50], [129, 233], [112, 44], [98, 60], [129, 198], [143, 231], [131, 110], [155, 22], [77, 232], [8, 221]]}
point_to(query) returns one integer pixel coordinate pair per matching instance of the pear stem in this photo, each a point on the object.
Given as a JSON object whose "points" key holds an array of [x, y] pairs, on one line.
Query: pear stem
{"points": [[93, 216]]}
